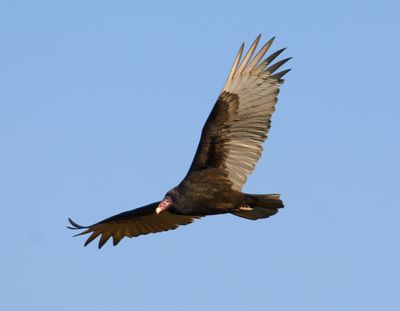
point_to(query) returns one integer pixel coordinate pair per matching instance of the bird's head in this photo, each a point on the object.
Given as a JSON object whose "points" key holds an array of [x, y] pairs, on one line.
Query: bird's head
{"points": [[169, 202], [165, 204]]}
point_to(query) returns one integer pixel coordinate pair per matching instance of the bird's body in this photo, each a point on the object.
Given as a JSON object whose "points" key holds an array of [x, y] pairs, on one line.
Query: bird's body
{"points": [[230, 146], [204, 193], [208, 193]]}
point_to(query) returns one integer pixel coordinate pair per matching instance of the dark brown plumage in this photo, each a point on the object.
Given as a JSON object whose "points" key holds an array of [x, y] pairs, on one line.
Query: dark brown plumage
{"points": [[230, 145]]}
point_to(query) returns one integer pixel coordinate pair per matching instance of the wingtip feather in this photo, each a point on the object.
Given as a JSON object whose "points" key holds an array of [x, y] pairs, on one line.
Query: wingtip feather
{"points": [[75, 226], [278, 76], [277, 65], [274, 55], [235, 64], [248, 55], [256, 59]]}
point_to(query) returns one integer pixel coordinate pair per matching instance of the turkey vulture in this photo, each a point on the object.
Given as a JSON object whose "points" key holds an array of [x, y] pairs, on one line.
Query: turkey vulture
{"points": [[230, 145]]}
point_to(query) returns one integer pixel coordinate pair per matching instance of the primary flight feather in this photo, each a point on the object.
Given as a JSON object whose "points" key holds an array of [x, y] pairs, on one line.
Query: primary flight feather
{"points": [[230, 145]]}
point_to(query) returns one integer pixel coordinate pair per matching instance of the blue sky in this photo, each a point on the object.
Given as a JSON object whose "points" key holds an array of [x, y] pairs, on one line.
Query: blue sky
{"points": [[101, 108]]}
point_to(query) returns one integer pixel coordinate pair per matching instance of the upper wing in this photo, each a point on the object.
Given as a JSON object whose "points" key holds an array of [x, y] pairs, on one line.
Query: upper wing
{"points": [[237, 126], [133, 223]]}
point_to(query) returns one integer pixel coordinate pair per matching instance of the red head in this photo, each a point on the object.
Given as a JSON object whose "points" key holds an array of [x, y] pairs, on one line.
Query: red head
{"points": [[164, 204]]}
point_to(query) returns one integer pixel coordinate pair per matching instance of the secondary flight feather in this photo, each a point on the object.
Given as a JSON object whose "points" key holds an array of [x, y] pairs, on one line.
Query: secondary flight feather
{"points": [[229, 148]]}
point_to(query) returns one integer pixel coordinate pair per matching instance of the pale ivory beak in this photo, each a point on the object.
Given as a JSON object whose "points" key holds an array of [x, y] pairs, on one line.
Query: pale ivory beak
{"points": [[164, 205]]}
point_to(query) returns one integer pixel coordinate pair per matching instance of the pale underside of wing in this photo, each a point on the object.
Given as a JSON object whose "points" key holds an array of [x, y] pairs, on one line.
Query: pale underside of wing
{"points": [[238, 125], [132, 224]]}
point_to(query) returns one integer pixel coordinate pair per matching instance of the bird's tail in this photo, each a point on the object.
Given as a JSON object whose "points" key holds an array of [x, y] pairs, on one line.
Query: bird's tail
{"points": [[260, 206]]}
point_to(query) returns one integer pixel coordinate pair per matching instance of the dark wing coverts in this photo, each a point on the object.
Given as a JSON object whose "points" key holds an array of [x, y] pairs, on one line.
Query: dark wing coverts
{"points": [[239, 122], [133, 223]]}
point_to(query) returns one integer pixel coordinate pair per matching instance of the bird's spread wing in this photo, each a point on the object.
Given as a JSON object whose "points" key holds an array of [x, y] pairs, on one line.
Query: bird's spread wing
{"points": [[133, 223], [237, 126]]}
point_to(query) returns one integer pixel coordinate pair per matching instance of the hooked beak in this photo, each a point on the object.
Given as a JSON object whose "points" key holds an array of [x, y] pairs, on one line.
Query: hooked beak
{"points": [[164, 205]]}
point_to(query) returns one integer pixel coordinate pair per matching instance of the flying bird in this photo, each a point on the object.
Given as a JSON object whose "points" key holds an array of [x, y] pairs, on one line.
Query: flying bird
{"points": [[230, 145]]}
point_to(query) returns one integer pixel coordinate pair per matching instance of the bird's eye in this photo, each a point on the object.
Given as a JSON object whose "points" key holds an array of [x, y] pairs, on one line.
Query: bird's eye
{"points": [[168, 199]]}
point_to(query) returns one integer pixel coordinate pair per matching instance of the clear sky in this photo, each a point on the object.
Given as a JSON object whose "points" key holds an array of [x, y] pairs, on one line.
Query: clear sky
{"points": [[101, 108]]}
